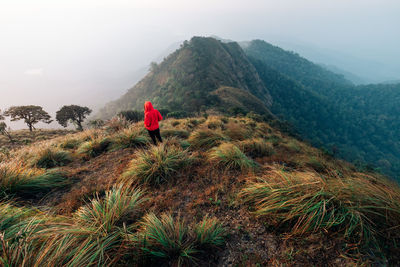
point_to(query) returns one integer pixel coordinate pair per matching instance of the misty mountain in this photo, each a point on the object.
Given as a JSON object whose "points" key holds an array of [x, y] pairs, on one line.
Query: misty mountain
{"points": [[188, 78], [358, 123], [357, 80]]}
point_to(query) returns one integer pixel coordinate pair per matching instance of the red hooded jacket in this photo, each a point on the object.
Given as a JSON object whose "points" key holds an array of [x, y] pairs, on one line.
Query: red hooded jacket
{"points": [[151, 117]]}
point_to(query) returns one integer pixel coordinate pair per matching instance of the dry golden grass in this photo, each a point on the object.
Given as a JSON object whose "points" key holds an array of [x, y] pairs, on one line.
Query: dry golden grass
{"points": [[301, 192]]}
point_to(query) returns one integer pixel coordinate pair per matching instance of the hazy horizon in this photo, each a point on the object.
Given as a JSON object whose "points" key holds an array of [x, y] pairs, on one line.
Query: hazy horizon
{"points": [[90, 52]]}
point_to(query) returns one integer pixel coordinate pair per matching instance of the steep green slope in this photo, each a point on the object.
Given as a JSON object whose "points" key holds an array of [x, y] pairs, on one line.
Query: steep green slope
{"points": [[314, 77], [185, 79], [359, 123]]}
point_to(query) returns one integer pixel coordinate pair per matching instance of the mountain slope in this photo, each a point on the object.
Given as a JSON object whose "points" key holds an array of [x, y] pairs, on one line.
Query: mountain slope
{"points": [[358, 123], [220, 191], [185, 79], [312, 76]]}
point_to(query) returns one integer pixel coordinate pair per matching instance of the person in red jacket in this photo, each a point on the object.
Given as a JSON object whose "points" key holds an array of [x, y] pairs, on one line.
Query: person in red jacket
{"points": [[151, 118]]}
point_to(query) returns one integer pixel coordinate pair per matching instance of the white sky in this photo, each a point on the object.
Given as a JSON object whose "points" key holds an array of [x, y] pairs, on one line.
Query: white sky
{"points": [[87, 51]]}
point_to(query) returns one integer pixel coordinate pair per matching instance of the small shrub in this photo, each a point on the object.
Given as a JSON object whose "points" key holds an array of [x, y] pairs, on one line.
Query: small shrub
{"points": [[256, 148], [50, 158], [230, 157], [94, 147], [156, 165], [205, 139]]}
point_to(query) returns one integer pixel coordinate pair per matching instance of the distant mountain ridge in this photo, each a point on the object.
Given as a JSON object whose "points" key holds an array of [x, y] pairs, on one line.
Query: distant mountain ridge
{"points": [[358, 123]]}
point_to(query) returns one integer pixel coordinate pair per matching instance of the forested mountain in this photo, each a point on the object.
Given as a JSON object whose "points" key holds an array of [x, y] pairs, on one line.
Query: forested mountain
{"points": [[358, 123]]}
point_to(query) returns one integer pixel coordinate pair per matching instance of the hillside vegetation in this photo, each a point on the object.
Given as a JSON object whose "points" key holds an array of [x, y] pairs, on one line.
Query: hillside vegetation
{"points": [[357, 123], [218, 191], [187, 77]]}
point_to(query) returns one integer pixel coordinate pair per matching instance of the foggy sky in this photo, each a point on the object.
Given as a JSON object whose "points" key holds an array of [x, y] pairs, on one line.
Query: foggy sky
{"points": [[87, 52]]}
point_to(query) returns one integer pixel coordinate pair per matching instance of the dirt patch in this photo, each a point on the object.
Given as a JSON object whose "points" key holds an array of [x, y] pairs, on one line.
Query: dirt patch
{"points": [[96, 175]]}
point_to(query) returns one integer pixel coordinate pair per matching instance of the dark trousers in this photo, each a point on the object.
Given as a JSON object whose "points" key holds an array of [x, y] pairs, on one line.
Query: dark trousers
{"points": [[154, 134]]}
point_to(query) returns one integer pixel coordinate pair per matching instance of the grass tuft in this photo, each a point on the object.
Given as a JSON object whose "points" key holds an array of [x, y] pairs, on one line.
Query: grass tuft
{"points": [[104, 213], [167, 238], [209, 232], [256, 148], [129, 138], [205, 139], [358, 209], [51, 157], [94, 147], [175, 133], [29, 182], [229, 156], [157, 164]]}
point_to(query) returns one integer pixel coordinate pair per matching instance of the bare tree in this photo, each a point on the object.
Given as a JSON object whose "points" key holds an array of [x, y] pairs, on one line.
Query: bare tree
{"points": [[30, 114]]}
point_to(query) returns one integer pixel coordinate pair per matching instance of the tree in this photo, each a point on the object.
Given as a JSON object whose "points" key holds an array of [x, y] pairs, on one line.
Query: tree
{"points": [[30, 114], [74, 114], [4, 130]]}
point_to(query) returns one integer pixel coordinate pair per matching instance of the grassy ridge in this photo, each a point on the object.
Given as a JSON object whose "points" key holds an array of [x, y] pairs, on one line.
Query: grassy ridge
{"points": [[176, 202]]}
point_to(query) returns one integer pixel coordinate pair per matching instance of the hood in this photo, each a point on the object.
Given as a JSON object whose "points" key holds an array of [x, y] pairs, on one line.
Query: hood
{"points": [[148, 106]]}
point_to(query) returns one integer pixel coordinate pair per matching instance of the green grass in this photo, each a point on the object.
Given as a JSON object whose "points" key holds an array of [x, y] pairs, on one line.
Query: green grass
{"points": [[129, 138], [355, 209], [94, 147], [104, 213], [229, 157], [22, 181], [50, 157], [156, 165], [205, 139], [70, 143], [209, 232], [167, 238], [173, 239]]}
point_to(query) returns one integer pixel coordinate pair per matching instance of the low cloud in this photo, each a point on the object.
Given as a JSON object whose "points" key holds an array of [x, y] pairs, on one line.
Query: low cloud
{"points": [[34, 72]]}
